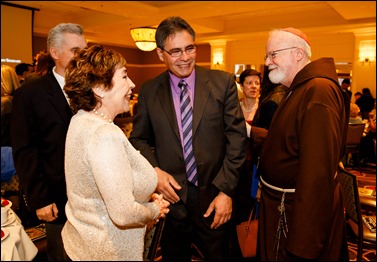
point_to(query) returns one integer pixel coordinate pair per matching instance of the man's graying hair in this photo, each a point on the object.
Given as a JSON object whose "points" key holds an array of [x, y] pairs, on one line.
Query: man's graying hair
{"points": [[55, 36], [170, 26]]}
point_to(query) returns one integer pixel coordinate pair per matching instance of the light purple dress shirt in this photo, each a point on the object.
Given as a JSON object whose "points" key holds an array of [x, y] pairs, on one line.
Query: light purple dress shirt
{"points": [[176, 92]]}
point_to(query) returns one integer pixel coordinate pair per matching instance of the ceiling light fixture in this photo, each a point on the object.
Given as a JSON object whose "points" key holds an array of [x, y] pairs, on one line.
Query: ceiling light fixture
{"points": [[144, 37]]}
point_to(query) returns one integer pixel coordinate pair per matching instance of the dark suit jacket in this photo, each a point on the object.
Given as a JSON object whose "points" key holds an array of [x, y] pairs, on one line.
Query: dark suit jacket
{"points": [[40, 120], [219, 132]]}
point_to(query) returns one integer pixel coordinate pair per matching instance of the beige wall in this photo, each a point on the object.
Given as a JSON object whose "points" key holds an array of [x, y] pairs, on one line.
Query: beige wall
{"points": [[364, 74], [141, 65], [342, 47]]}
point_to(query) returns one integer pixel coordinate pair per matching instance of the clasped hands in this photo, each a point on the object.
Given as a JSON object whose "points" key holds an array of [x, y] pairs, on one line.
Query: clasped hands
{"points": [[48, 213], [162, 204]]}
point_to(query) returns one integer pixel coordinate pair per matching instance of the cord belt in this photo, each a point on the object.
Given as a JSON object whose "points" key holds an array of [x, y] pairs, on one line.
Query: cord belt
{"points": [[277, 188], [282, 228]]}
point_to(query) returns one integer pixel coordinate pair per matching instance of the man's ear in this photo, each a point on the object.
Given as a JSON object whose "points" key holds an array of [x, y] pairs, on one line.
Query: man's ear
{"points": [[54, 53], [160, 54], [300, 53]]}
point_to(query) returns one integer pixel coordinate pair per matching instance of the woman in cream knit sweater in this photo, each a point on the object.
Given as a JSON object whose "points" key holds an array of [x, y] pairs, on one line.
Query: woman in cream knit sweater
{"points": [[110, 185]]}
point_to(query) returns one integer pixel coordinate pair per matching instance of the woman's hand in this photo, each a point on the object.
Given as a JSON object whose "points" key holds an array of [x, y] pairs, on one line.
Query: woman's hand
{"points": [[162, 204]]}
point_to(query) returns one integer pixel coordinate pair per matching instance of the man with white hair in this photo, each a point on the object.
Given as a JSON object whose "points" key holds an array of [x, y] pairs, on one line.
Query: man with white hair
{"points": [[301, 216], [39, 123]]}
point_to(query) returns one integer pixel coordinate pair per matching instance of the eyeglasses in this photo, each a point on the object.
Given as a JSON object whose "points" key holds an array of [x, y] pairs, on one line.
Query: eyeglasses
{"points": [[273, 54], [191, 49]]}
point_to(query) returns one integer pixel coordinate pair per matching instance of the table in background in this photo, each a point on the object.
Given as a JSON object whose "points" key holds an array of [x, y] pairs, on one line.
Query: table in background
{"points": [[367, 198], [17, 246]]}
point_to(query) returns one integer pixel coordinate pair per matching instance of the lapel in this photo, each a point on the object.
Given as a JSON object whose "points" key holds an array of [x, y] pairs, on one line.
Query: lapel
{"points": [[202, 92], [166, 100], [57, 99]]}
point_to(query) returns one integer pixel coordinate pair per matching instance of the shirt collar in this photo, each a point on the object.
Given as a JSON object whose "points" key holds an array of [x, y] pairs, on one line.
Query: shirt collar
{"points": [[190, 80], [59, 78]]}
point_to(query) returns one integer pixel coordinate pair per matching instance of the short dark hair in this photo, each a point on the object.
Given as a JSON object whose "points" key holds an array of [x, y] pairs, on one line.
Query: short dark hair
{"points": [[170, 26], [249, 72], [366, 91], [21, 68], [357, 94], [346, 81]]}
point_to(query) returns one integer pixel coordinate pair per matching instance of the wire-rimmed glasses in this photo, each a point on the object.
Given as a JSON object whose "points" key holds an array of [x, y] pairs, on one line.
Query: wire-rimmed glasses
{"points": [[273, 54]]}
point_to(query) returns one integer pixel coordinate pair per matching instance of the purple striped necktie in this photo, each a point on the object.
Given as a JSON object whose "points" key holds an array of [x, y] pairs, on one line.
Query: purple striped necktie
{"points": [[186, 122]]}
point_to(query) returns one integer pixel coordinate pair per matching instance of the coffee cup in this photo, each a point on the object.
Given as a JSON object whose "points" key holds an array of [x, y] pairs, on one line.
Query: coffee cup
{"points": [[4, 215]]}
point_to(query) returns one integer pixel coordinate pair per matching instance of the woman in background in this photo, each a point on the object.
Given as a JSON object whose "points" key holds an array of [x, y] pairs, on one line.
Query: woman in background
{"points": [[250, 80], [110, 185], [42, 66], [9, 83], [355, 117]]}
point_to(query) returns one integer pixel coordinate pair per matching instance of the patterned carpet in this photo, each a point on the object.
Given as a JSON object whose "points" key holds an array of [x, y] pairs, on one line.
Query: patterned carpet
{"points": [[366, 177]]}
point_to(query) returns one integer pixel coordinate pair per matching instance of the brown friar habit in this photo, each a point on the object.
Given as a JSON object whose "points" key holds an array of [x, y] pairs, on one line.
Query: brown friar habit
{"points": [[302, 150]]}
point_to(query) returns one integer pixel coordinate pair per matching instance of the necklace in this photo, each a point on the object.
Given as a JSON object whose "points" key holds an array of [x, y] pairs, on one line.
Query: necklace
{"points": [[248, 110], [102, 115]]}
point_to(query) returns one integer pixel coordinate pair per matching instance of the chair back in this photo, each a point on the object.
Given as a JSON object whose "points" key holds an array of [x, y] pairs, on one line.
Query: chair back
{"points": [[354, 134], [351, 201]]}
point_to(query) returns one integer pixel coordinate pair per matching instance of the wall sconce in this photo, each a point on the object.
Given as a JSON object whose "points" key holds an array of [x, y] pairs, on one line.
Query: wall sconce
{"points": [[218, 56], [144, 38], [366, 60], [367, 51]]}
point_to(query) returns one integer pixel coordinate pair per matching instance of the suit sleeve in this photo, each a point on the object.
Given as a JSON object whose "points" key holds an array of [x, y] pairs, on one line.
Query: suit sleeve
{"points": [[142, 136], [235, 141], [25, 151]]}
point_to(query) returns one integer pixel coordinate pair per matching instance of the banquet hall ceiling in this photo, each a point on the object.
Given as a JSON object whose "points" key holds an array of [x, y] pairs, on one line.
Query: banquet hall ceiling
{"points": [[109, 22]]}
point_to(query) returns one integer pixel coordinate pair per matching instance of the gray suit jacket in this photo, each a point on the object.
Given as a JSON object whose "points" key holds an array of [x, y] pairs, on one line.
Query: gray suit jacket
{"points": [[219, 132]]}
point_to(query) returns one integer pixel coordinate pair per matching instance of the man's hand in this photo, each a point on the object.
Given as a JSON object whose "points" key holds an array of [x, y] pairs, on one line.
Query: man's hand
{"points": [[167, 185], [222, 204], [48, 213]]}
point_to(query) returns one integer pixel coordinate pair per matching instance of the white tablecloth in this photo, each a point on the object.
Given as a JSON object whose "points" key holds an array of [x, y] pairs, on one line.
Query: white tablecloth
{"points": [[17, 246]]}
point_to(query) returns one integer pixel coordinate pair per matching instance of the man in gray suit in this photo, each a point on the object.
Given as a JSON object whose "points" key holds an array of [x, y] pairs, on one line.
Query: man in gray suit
{"points": [[201, 208], [40, 119]]}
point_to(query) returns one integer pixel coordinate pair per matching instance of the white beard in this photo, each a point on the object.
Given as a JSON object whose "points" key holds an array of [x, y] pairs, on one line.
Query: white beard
{"points": [[276, 76]]}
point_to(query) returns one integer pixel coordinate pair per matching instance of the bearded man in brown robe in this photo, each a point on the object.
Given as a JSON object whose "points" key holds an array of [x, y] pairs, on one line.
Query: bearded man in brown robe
{"points": [[301, 215]]}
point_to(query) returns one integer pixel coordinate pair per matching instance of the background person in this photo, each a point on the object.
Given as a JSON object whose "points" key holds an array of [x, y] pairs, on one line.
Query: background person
{"points": [[365, 103], [40, 119], [367, 142], [357, 95], [23, 70], [9, 181], [271, 96], [301, 213], [269, 100], [43, 65], [200, 210], [250, 80], [346, 84], [9, 83], [109, 184], [355, 117]]}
